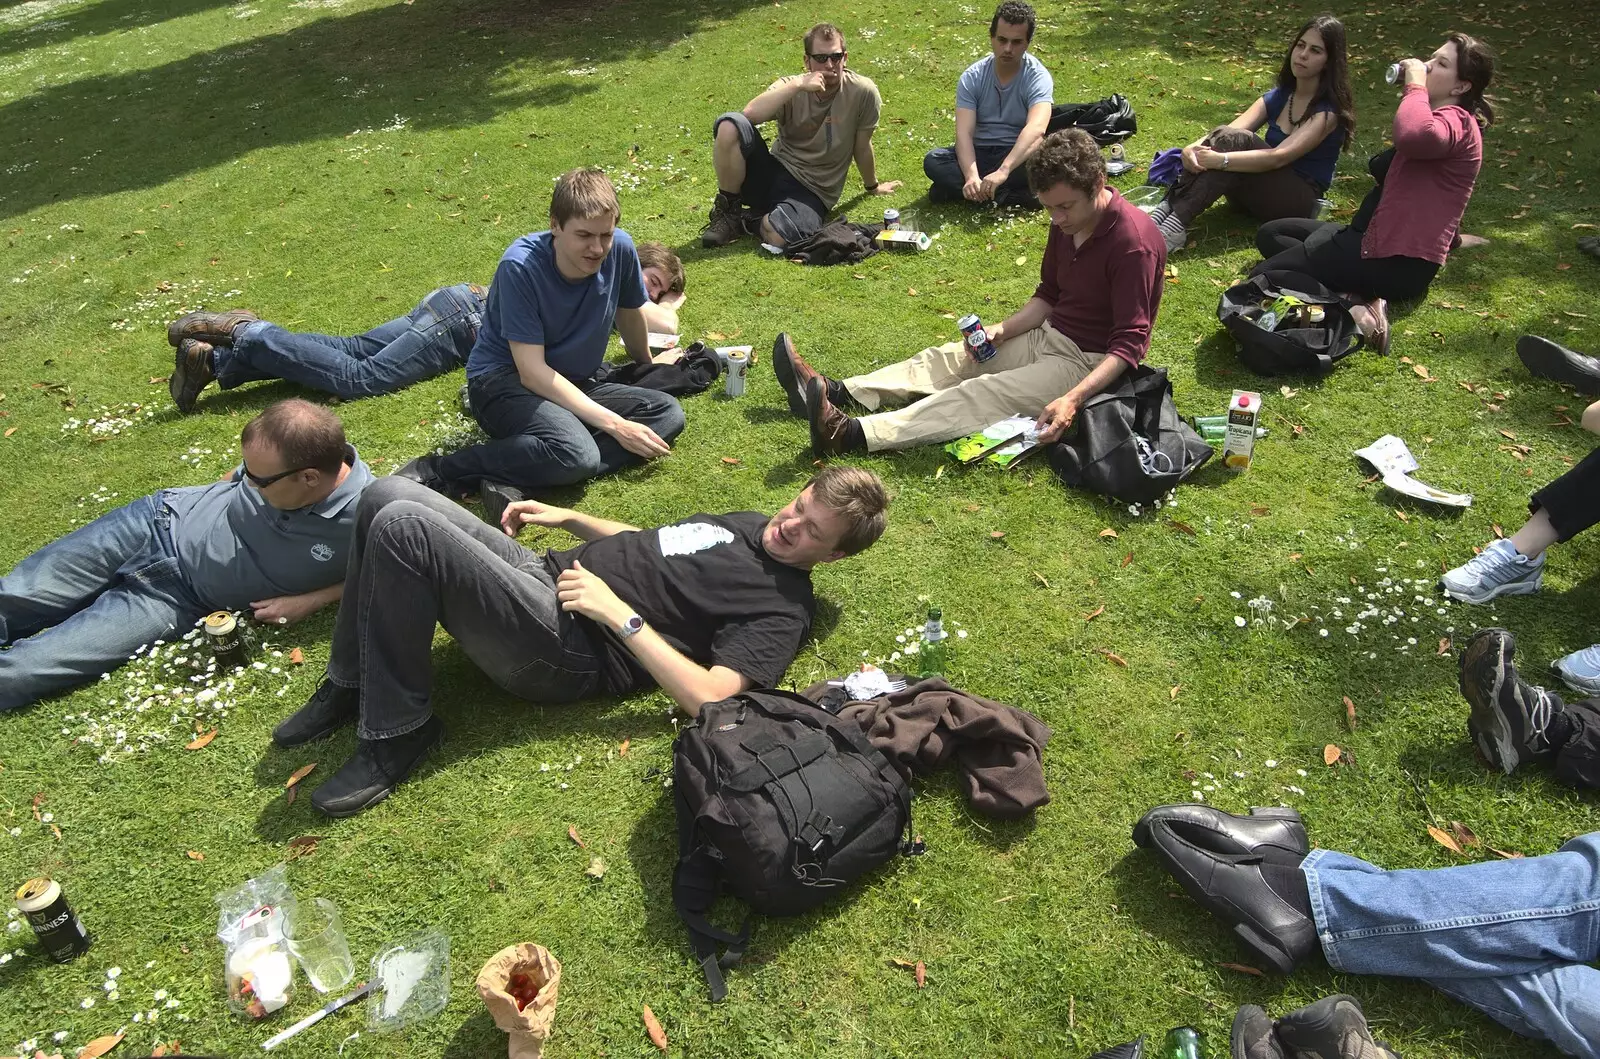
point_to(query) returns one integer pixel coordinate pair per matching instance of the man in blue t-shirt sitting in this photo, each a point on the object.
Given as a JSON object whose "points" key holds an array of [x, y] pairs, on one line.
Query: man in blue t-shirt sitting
{"points": [[531, 375], [1002, 108]]}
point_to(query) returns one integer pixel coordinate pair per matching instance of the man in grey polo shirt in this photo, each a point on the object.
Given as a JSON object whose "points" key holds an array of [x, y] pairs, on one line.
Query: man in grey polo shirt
{"points": [[274, 536], [1002, 110]]}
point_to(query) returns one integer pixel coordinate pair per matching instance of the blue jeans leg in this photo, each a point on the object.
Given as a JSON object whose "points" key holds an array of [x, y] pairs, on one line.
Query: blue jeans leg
{"points": [[539, 444], [1510, 937], [79, 606], [435, 337]]}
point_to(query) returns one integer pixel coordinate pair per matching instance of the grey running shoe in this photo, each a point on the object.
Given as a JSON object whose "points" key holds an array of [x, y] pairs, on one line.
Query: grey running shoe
{"points": [[1580, 670], [1510, 717], [1253, 1036], [1498, 570], [1332, 1028]]}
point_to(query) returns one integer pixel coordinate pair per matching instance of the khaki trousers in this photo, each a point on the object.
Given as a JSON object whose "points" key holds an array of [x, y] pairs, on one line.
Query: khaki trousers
{"points": [[955, 395]]}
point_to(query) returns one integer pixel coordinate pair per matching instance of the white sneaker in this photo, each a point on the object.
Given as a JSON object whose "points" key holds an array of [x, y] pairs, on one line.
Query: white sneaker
{"points": [[1580, 670], [1498, 570]]}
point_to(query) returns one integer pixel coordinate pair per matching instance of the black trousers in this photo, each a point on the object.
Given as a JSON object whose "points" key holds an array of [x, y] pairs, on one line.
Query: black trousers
{"points": [[1332, 253], [1573, 500], [1577, 760]]}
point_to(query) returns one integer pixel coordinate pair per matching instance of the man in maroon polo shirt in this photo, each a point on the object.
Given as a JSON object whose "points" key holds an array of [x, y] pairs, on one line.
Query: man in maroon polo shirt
{"points": [[1088, 321]]}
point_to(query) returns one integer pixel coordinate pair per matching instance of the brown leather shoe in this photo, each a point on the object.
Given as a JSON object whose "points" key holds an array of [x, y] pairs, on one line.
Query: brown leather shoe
{"points": [[191, 373], [1380, 325], [832, 432], [210, 327], [793, 373]]}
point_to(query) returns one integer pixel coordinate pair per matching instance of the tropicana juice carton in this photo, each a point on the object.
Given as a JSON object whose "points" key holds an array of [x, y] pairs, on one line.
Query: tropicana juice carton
{"points": [[1239, 444]]}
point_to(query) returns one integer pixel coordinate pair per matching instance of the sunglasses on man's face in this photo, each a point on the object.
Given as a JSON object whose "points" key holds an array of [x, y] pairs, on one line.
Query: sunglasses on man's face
{"points": [[261, 483], [827, 58]]}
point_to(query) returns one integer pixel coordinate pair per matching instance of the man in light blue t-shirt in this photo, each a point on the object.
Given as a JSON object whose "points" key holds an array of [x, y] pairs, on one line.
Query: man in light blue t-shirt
{"points": [[1002, 109], [531, 375]]}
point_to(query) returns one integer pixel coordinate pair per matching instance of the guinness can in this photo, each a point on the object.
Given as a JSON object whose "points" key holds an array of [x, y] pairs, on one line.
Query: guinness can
{"points": [[52, 919], [229, 641]]}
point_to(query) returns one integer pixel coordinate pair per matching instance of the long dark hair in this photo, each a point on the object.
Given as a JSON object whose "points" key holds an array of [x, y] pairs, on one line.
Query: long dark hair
{"points": [[1474, 65], [1335, 85]]}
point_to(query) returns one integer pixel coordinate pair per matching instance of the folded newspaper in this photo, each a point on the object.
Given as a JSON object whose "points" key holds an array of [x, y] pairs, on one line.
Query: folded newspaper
{"points": [[1394, 462]]}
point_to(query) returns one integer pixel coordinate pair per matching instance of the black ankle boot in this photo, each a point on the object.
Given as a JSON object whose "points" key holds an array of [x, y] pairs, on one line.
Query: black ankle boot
{"points": [[329, 709], [376, 769]]}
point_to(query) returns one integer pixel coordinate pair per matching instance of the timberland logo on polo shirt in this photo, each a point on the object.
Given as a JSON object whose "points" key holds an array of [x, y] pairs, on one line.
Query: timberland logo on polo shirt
{"points": [[321, 552]]}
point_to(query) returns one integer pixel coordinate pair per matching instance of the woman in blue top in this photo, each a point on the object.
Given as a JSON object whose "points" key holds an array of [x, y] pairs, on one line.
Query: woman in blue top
{"points": [[1309, 117]]}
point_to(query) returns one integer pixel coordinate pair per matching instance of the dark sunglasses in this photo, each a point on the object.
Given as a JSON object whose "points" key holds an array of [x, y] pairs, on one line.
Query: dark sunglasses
{"points": [[827, 58], [261, 483]]}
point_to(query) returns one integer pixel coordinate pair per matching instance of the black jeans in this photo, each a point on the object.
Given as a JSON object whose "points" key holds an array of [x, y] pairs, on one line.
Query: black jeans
{"points": [[1266, 196], [538, 443], [1573, 500], [1331, 253], [943, 170], [418, 560]]}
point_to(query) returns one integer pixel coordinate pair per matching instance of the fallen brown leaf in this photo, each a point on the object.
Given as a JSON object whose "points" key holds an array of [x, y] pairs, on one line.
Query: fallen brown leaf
{"points": [[572, 833], [622, 751], [1118, 659], [1242, 968], [38, 800], [10, 431], [1401, 515], [1503, 855], [1444, 645], [303, 846], [299, 774], [1037, 576], [1508, 435], [1108, 532], [1330, 754], [1095, 613], [995, 535], [155, 379], [100, 1046], [972, 508], [1349, 713], [1463, 834], [1498, 532], [732, 461], [201, 741], [297, 656], [1172, 692], [1182, 527], [652, 1026], [921, 971], [194, 854], [1126, 559], [1259, 509], [898, 962], [290, 795], [1445, 839]]}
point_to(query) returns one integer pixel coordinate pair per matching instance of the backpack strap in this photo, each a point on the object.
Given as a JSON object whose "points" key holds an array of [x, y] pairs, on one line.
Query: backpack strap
{"points": [[696, 883]]}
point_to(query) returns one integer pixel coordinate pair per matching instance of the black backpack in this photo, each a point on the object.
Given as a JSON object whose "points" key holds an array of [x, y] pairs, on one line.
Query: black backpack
{"points": [[1288, 350], [1110, 120], [783, 805], [1128, 442]]}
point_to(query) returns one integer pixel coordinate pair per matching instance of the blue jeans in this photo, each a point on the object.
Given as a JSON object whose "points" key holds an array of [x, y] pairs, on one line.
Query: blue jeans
{"points": [[430, 340], [944, 173], [1512, 938], [538, 443], [81, 605]]}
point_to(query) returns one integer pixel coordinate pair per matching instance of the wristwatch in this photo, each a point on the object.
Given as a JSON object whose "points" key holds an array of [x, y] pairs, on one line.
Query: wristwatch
{"points": [[632, 624], [872, 186], [1224, 161]]}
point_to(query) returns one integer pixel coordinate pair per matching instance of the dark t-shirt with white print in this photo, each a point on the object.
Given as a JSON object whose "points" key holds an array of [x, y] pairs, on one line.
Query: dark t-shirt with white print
{"points": [[708, 588]]}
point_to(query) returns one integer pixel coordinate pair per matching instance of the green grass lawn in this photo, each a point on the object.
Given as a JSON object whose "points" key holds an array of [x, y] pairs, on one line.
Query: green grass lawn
{"points": [[326, 162]]}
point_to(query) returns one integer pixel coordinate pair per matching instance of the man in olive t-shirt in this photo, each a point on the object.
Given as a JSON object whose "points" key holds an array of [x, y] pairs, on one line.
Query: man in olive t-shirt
{"points": [[826, 117]]}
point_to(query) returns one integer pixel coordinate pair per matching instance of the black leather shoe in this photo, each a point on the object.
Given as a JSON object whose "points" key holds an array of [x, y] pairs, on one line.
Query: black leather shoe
{"points": [[424, 470], [329, 709], [1231, 887], [376, 769], [1267, 826], [1548, 360], [1253, 1037], [1131, 1050]]}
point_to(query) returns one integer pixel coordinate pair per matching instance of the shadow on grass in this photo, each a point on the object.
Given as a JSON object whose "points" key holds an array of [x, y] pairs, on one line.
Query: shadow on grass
{"points": [[451, 61], [107, 16]]}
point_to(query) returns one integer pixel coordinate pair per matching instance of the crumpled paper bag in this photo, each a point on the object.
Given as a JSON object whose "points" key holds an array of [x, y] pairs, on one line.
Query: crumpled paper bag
{"points": [[530, 1027]]}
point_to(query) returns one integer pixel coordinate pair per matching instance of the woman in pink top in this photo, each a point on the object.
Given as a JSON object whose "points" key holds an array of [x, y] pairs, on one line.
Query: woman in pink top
{"points": [[1397, 241]]}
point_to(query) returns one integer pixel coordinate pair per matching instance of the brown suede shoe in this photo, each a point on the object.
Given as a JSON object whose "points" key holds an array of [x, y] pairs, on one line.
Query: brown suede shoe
{"points": [[210, 327], [191, 372], [832, 432]]}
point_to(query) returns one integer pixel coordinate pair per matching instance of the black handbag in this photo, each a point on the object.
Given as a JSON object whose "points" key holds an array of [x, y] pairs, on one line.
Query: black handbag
{"points": [[1129, 442], [1288, 349]]}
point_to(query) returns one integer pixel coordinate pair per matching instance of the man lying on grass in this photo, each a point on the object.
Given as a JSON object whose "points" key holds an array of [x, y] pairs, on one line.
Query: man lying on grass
{"points": [[704, 608], [272, 537]]}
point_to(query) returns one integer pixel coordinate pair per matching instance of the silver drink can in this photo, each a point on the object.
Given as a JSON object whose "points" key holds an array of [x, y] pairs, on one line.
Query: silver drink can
{"points": [[891, 219], [1392, 74], [738, 367]]}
